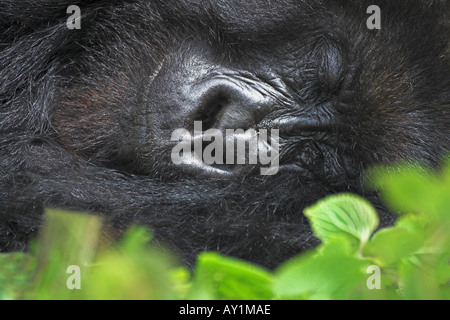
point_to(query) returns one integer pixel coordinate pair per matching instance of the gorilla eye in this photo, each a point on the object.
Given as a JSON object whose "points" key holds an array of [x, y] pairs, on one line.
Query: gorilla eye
{"points": [[332, 67]]}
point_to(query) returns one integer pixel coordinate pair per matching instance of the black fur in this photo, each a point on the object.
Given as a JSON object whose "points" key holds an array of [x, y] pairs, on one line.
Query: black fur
{"points": [[72, 104]]}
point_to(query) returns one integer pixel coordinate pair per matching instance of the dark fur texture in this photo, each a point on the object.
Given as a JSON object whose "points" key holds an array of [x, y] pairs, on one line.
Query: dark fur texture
{"points": [[72, 104]]}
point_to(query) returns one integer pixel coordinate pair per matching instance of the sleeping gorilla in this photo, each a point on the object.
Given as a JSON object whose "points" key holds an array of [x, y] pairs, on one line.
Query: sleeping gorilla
{"points": [[87, 114]]}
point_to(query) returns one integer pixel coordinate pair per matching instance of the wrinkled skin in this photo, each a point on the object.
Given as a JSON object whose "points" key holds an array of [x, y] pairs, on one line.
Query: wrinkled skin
{"points": [[87, 115]]}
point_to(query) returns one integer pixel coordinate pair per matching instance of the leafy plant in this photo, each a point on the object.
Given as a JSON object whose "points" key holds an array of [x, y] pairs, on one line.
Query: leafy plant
{"points": [[410, 260]]}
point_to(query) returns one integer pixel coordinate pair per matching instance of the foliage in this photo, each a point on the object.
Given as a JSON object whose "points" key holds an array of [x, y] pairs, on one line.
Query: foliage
{"points": [[410, 260]]}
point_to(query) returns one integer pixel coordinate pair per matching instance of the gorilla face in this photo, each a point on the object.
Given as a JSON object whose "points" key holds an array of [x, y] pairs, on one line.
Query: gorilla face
{"points": [[88, 115]]}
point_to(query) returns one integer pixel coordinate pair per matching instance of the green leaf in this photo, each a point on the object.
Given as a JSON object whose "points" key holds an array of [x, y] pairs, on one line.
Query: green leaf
{"points": [[132, 270], [343, 215], [412, 188], [16, 270], [66, 239], [393, 244], [330, 271], [225, 278], [120, 276]]}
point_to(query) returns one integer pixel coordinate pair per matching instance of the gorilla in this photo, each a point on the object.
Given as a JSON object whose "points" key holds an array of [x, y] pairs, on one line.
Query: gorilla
{"points": [[88, 112]]}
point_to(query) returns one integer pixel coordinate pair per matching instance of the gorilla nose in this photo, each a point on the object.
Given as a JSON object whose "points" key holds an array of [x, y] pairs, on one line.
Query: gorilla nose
{"points": [[229, 103]]}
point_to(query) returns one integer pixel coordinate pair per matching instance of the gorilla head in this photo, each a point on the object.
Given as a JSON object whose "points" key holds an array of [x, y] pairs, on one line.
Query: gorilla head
{"points": [[88, 115]]}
